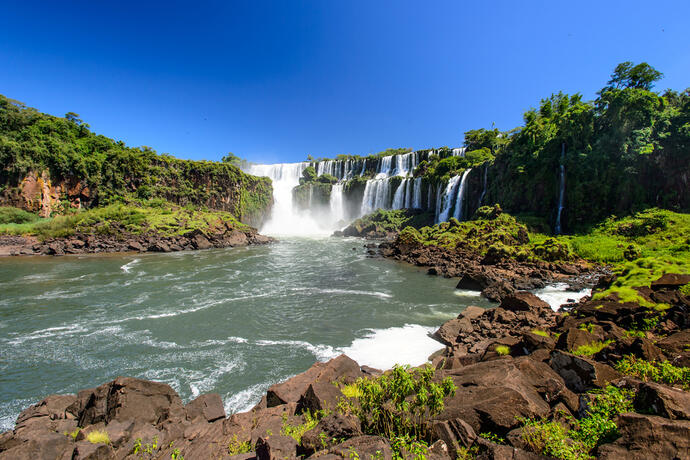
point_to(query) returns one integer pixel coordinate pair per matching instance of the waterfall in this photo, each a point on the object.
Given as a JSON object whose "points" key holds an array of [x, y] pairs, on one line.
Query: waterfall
{"points": [[417, 194], [336, 204], [384, 167], [285, 220], [408, 193], [460, 202], [438, 203], [561, 193], [459, 152], [484, 184], [399, 196], [376, 193], [364, 167], [447, 199]]}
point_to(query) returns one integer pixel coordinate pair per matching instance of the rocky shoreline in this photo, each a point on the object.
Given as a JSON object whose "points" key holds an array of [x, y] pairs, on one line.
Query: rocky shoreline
{"points": [[511, 363], [120, 240]]}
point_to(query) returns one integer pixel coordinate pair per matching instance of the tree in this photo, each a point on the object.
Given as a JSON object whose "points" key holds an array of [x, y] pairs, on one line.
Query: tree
{"points": [[640, 76], [232, 159], [73, 118]]}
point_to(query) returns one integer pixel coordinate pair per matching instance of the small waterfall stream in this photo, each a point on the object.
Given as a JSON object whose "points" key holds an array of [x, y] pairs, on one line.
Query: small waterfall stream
{"points": [[561, 193]]}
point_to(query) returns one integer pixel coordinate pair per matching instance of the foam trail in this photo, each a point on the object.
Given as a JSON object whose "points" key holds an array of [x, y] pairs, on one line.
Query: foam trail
{"points": [[556, 295], [382, 348]]}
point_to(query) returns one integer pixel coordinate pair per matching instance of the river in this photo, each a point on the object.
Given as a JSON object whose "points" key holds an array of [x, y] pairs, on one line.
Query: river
{"points": [[231, 321]]}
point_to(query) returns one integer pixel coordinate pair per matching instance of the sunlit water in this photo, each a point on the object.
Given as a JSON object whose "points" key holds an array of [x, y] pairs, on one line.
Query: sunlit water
{"points": [[231, 321]]}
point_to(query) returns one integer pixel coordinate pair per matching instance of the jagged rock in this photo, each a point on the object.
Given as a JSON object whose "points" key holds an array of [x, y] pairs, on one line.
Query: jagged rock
{"points": [[573, 338], [498, 290], [531, 342], [84, 450], [41, 445], [319, 396], [661, 400], [491, 395], [472, 312], [648, 437], [450, 330], [670, 281], [365, 447], [475, 281], [523, 301], [581, 373], [276, 447], [127, 398], [335, 426], [492, 451], [455, 433], [292, 389], [208, 406]]}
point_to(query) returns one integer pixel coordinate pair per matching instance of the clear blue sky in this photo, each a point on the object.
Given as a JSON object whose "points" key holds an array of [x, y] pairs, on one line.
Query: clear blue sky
{"points": [[275, 81]]}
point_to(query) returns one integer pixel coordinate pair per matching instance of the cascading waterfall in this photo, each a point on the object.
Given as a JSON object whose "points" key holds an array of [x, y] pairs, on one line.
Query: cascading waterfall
{"points": [[337, 205], [285, 220], [446, 201], [460, 201], [484, 184], [399, 196], [561, 193], [417, 194]]}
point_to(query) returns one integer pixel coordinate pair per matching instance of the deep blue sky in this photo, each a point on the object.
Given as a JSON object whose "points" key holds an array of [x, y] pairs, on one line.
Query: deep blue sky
{"points": [[275, 81]]}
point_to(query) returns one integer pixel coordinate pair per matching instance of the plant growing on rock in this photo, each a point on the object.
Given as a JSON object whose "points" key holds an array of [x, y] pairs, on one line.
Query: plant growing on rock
{"points": [[399, 404], [596, 427], [98, 437], [236, 447], [663, 371]]}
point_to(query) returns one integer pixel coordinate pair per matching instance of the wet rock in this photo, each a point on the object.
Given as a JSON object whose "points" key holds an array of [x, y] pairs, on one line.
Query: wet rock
{"points": [[450, 330], [523, 301]]}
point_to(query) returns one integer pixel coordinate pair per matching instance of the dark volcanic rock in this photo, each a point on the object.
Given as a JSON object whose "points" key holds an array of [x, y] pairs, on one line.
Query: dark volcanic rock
{"points": [[670, 281], [661, 400], [581, 374], [648, 437], [276, 447], [523, 301]]}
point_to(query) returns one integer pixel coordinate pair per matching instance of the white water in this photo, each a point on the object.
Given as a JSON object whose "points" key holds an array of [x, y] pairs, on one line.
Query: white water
{"points": [[561, 192], [337, 205], [285, 218], [446, 202], [556, 295], [460, 202], [399, 197]]}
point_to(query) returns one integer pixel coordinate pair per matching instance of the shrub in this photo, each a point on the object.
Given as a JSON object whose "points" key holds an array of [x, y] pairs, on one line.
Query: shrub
{"points": [[400, 403], [297, 431], [235, 447], [10, 215]]}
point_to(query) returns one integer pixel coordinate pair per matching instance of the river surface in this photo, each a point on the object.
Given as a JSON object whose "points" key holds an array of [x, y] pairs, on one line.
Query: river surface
{"points": [[231, 321]]}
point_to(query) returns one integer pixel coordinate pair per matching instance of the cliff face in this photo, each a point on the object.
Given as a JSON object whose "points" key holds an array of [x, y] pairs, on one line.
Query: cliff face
{"points": [[50, 164]]}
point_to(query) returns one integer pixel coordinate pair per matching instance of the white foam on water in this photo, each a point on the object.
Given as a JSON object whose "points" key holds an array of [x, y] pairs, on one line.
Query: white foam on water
{"points": [[556, 295], [59, 331], [381, 295], [128, 266], [210, 379], [382, 348], [467, 293], [322, 352], [245, 399]]}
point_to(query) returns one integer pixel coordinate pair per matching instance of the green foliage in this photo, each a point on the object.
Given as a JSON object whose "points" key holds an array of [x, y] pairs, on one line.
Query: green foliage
{"points": [[73, 434], [591, 348], [146, 451], [493, 437], [685, 290], [33, 142], [589, 327], [385, 221], [176, 454], [662, 371], [400, 403], [640, 76], [297, 431], [98, 437], [137, 217], [235, 447], [327, 179], [596, 427], [10, 215]]}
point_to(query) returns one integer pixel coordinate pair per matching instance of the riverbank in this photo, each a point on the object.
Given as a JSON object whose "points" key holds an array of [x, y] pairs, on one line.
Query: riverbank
{"points": [[138, 226], [528, 382]]}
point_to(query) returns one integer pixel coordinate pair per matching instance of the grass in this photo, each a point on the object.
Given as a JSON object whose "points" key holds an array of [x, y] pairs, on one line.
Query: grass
{"points": [[591, 348], [136, 217], [540, 333], [73, 434], [10, 215], [502, 350], [662, 371], [351, 390], [98, 437]]}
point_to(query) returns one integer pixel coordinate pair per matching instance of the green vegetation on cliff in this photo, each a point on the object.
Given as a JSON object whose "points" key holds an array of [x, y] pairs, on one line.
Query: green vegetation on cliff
{"points": [[626, 151], [97, 170]]}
